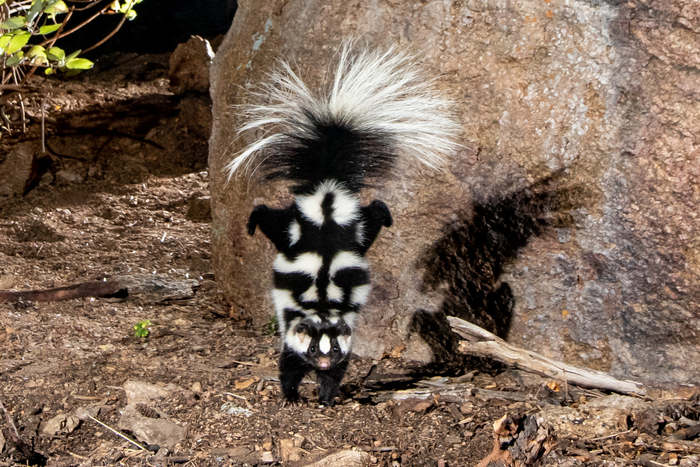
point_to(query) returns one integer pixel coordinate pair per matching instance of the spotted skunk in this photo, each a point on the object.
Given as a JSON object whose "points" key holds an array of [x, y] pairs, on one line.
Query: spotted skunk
{"points": [[375, 105]]}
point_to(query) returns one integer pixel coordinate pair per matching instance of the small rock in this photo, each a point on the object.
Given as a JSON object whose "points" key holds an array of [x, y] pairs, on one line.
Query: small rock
{"points": [[232, 409], [2, 442], [199, 209], [196, 387], [154, 431], [60, 424], [189, 66], [347, 458], [16, 170], [67, 177], [289, 451], [266, 457], [84, 413], [142, 392]]}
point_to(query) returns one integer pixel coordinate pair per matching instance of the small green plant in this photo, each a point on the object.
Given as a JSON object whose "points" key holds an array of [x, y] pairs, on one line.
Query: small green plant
{"points": [[141, 329], [271, 327]]}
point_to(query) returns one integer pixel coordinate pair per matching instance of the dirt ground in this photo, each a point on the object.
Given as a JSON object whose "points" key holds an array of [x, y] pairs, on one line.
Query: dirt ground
{"points": [[124, 195]]}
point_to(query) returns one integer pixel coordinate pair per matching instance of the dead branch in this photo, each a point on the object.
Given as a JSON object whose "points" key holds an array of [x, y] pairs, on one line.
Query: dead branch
{"points": [[145, 287], [482, 343]]}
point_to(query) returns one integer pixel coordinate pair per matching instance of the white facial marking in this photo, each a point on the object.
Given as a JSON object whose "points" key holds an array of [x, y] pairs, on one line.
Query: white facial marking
{"points": [[344, 342], [333, 319], [360, 294], [346, 259], [305, 263], [345, 209], [310, 295], [294, 233], [334, 292], [324, 344]]}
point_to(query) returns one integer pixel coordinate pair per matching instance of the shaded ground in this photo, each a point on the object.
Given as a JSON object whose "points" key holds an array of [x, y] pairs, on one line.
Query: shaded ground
{"points": [[123, 198]]}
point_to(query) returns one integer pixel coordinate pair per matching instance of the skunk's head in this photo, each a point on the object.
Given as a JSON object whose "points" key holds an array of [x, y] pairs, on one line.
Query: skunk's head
{"points": [[323, 343]]}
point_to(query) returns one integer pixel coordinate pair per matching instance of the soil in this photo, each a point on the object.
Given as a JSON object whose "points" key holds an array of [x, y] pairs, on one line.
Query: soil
{"points": [[123, 193]]}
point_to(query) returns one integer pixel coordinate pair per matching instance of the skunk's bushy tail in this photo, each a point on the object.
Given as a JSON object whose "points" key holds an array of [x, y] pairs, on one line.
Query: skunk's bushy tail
{"points": [[375, 104]]}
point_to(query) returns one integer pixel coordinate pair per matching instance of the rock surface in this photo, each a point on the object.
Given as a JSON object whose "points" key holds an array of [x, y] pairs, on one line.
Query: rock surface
{"points": [[569, 221], [189, 66]]}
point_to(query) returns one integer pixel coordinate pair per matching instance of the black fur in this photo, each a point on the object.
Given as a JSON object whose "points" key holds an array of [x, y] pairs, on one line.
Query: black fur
{"points": [[333, 151]]}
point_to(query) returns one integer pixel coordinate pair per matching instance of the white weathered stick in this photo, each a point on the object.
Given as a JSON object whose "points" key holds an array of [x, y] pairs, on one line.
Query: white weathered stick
{"points": [[482, 343]]}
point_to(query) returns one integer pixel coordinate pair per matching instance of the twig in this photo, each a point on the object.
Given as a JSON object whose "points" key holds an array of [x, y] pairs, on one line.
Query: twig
{"points": [[9, 421], [482, 343], [118, 433], [610, 436]]}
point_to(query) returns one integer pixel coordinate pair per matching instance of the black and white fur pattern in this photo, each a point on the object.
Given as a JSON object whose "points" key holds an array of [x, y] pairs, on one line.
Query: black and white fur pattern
{"points": [[375, 105], [318, 344]]}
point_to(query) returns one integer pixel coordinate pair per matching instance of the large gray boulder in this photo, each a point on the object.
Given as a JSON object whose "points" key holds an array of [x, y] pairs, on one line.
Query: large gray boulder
{"points": [[569, 221]]}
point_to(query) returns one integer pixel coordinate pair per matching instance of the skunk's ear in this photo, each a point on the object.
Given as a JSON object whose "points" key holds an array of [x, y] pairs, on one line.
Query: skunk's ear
{"points": [[374, 217], [274, 223]]}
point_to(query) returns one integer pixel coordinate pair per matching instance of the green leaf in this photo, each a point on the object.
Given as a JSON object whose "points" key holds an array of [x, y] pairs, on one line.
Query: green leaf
{"points": [[37, 6], [36, 50], [72, 55], [15, 59], [115, 5], [4, 40], [48, 28], [13, 23], [56, 53], [130, 15], [56, 8], [17, 42], [49, 71], [79, 64]]}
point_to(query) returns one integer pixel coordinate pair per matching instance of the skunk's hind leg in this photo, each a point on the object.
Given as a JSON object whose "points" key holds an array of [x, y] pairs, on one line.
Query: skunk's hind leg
{"points": [[274, 223], [329, 383], [374, 216]]}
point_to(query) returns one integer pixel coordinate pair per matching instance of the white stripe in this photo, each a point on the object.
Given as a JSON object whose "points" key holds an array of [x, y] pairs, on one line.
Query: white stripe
{"points": [[297, 341], [333, 292], [360, 233], [324, 345], [345, 208], [350, 318], [294, 233], [305, 263], [282, 299], [359, 294], [311, 294], [346, 259]]}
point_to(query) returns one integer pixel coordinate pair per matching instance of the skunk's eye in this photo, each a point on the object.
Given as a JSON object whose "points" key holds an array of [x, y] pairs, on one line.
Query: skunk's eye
{"points": [[336, 348], [312, 348]]}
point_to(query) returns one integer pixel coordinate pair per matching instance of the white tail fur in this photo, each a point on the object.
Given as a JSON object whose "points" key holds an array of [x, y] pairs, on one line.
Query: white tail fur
{"points": [[374, 91]]}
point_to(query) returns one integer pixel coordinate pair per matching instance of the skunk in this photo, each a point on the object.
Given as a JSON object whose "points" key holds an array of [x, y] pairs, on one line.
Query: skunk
{"points": [[315, 343], [330, 145]]}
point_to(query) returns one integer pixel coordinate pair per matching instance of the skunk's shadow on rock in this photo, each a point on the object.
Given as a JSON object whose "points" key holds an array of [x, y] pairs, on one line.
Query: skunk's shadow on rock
{"points": [[467, 261]]}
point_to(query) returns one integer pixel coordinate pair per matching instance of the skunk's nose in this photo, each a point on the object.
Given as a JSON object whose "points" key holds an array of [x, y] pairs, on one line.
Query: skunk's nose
{"points": [[324, 363]]}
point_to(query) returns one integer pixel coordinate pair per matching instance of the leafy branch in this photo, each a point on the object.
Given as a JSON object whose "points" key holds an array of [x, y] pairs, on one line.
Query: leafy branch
{"points": [[29, 30]]}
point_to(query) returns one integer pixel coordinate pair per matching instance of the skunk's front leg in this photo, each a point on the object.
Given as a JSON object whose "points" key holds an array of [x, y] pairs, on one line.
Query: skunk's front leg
{"points": [[292, 370], [329, 383]]}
